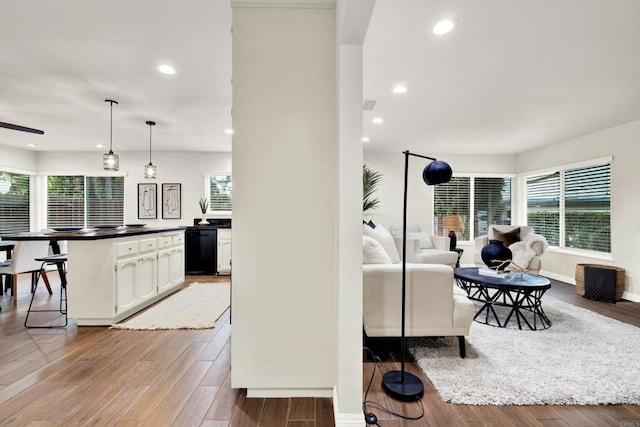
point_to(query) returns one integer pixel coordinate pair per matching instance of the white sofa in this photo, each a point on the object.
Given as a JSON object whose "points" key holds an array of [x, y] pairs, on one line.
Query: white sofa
{"points": [[424, 248], [527, 252], [435, 306]]}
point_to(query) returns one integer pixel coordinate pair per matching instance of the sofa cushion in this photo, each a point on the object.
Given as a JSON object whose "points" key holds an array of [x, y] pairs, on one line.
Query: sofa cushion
{"points": [[385, 239], [423, 238], [508, 237], [373, 252], [436, 256]]}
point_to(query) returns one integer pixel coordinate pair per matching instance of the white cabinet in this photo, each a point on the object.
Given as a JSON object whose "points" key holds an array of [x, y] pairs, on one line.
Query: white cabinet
{"points": [[224, 251], [170, 261], [136, 273], [111, 279]]}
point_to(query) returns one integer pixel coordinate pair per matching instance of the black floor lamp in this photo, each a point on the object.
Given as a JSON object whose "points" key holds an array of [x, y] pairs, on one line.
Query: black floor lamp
{"points": [[403, 385]]}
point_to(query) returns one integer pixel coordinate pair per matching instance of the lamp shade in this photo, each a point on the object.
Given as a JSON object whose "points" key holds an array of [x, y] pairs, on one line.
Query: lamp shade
{"points": [[453, 222], [437, 172]]}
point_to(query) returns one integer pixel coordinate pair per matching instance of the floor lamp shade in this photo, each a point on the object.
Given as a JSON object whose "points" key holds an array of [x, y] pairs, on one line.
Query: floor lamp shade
{"points": [[437, 172], [403, 385]]}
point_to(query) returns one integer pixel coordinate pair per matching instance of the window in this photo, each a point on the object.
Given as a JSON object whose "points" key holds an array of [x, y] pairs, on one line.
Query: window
{"points": [[14, 202], [543, 206], [78, 201], [104, 200], [220, 192], [480, 201], [572, 207]]}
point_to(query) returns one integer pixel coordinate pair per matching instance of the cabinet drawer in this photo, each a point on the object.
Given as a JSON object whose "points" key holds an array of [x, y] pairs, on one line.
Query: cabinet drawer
{"points": [[164, 242], [178, 239], [126, 249], [147, 245]]}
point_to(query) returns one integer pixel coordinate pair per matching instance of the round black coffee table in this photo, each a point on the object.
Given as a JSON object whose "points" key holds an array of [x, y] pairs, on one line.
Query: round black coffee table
{"points": [[515, 295]]}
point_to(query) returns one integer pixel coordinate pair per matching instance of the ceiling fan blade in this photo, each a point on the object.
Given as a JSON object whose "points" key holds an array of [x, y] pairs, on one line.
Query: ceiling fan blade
{"points": [[20, 128]]}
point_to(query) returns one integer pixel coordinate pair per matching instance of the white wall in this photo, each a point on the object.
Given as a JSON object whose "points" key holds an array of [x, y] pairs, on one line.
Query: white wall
{"points": [[18, 159], [621, 142], [420, 195], [186, 168], [285, 150]]}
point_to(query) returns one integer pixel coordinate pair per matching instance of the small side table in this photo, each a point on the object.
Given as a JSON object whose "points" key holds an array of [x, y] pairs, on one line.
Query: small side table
{"points": [[459, 251]]}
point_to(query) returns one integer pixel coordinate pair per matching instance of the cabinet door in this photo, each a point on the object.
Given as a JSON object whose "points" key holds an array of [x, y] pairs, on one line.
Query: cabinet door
{"points": [[224, 251], [147, 277], [126, 283], [164, 269], [177, 265]]}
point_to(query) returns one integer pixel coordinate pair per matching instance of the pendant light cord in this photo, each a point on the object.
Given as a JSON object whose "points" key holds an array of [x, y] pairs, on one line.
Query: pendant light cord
{"points": [[111, 125], [151, 124]]}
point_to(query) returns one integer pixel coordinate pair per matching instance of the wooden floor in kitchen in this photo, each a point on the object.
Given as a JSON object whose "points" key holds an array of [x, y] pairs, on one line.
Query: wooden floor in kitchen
{"points": [[106, 377], [80, 376]]}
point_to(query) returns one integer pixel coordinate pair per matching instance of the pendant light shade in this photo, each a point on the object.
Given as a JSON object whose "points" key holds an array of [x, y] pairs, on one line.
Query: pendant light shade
{"points": [[110, 160], [150, 170]]}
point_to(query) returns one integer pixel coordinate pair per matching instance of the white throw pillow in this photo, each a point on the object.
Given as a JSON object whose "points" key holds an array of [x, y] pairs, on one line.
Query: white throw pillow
{"points": [[384, 238], [373, 252]]}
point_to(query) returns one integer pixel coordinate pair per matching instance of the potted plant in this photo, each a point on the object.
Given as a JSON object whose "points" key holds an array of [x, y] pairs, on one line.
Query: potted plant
{"points": [[204, 207], [370, 180]]}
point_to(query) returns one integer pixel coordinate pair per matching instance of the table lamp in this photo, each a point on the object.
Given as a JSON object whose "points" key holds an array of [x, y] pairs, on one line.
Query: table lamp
{"points": [[453, 223]]}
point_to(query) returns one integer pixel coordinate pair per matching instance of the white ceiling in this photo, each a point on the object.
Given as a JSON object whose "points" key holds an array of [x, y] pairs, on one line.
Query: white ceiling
{"points": [[514, 74]]}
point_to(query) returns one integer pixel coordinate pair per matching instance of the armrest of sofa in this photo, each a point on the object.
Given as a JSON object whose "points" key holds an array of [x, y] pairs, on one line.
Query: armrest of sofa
{"points": [[480, 242], [441, 242]]}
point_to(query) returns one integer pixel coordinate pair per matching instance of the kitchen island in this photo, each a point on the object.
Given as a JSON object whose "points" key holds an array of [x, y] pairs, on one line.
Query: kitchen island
{"points": [[114, 272]]}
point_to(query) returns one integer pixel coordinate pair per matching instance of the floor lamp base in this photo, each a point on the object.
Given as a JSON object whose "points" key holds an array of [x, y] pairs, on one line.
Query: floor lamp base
{"points": [[410, 389]]}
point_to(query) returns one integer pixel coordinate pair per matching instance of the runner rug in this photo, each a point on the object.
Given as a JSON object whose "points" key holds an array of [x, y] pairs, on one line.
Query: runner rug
{"points": [[582, 359], [197, 306]]}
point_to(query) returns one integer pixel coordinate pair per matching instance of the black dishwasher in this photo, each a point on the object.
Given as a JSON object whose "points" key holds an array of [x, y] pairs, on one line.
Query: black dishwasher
{"points": [[201, 256]]}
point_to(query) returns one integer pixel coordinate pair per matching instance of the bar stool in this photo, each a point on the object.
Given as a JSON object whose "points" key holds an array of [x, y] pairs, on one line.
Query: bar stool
{"points": [[59, 260]]}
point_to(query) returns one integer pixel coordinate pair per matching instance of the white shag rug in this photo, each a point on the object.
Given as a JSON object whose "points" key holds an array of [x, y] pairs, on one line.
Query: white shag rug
{"points": [[582, 359], [197, 306]]}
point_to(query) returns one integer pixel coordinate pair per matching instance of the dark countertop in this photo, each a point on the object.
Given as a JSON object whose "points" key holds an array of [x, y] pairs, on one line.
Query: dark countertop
{"points": [[90, 233]]}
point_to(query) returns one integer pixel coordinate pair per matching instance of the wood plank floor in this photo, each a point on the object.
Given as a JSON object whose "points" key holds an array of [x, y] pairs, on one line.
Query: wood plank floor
{"points": [[438, 413], [100, 376], [80, 376]]}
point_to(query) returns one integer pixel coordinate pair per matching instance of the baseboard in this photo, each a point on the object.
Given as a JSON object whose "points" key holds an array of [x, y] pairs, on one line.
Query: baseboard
{"points": [[345, 419], [288, 392], [566, 279]]}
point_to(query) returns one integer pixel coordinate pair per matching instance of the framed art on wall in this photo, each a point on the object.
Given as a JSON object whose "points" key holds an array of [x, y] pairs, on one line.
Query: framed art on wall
{"points": [[147, 201], [171, 201]]}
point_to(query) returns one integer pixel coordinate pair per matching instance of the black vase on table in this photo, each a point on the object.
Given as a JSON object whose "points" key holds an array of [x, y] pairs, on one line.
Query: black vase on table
{"points": [[495, 253]]}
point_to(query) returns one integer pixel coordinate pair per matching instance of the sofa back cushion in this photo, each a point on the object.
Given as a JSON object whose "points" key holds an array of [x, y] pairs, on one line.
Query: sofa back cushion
{"points": [[373, 252], [382, 236]]}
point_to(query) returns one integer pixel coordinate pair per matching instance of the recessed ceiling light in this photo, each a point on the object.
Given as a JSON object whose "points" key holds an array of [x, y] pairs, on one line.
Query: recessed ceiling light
{"points": [[166, 69], [365, 139], [400, 89], [99, 146], [445, 26], [377, 120], [31, 145], [228, 131]]}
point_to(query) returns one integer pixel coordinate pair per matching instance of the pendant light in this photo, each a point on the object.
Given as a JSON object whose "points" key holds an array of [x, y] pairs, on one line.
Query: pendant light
{"points": [[110, 160], [150, 170]]}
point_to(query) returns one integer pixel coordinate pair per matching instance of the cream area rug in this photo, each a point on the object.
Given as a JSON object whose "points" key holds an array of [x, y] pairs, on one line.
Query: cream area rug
{"points": [[582, 359], [197, 306]]}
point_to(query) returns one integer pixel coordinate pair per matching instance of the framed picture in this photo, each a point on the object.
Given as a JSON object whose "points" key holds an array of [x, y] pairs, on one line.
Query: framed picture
{"points": [[147, 201], [171, 201]]}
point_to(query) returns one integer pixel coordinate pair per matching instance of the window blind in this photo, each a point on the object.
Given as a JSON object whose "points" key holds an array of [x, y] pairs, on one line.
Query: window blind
{"points": [[220, 192], [452, 198], [491, 203], [587, 215], [104, 200], [65, 201], [543, 205], [14, 202]]}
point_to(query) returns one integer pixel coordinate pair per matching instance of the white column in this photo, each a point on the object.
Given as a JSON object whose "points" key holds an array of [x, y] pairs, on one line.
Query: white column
{"points": [[285, 173]]}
